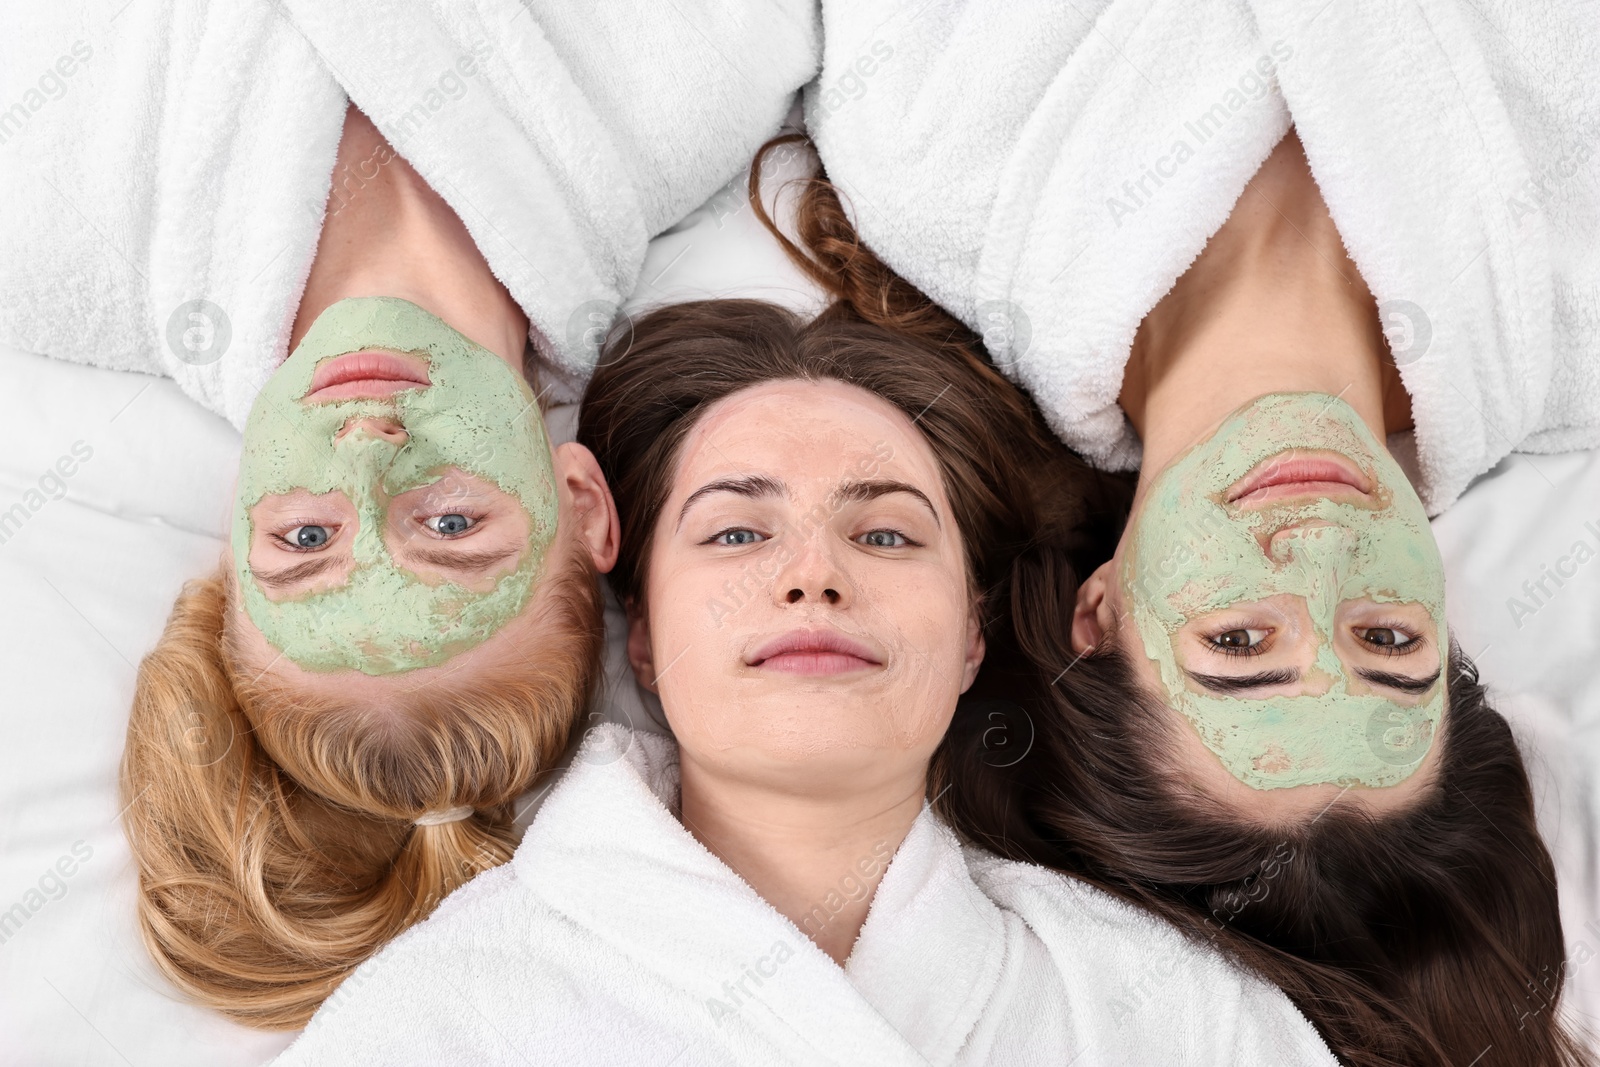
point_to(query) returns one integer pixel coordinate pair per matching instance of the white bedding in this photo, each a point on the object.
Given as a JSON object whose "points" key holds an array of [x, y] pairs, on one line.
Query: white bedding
{"points": [[86, 581]]}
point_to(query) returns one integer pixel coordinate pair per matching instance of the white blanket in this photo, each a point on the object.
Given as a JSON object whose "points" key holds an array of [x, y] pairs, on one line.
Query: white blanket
{"points": [[1046, 170], [165, 167], [613, 936]]}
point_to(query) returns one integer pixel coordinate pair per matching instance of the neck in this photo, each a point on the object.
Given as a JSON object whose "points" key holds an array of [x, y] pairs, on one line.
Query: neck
{"points": [[817, 860], [1273, 304], [387, 233]]}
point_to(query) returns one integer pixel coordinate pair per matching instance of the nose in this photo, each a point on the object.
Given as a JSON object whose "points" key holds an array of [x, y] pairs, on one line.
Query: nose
{"points": [[812, 576], [824, 595], [1313, 542], [382, 427]]}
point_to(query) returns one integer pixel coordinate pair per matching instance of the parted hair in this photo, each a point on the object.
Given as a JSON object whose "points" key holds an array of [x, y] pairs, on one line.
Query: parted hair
{"points": [[273, 832], [1424, 938]]}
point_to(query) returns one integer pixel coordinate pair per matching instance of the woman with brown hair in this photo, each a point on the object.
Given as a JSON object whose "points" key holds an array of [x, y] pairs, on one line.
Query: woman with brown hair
{"points": [[1249, 719], [816, 516]]}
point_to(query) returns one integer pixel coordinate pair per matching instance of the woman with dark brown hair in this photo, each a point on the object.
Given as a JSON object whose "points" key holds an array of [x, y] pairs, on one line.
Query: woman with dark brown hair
{"points": [[1249, 718], [815, 519]]}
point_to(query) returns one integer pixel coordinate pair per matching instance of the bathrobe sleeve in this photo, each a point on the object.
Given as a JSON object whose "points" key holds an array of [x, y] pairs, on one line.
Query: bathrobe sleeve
{"points": [[166, 169], [1047, 171]]}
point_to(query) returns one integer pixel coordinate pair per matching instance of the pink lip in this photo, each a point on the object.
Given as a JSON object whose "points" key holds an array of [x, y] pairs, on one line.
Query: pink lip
{"points": [[361, 375], [1297, 473], [814, 652]]}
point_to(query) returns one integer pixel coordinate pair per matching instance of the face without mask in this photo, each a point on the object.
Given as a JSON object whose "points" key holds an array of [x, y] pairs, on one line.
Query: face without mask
{"points": [[476, 416], [1228, 530]]}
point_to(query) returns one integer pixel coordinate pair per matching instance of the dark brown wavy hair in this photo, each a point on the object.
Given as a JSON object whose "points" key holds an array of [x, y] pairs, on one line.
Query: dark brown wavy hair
{"points": [[1425, 938]]}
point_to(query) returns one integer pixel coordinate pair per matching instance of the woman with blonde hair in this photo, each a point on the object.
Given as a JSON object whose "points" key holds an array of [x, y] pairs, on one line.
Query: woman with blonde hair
{"points": [[335, 727]]}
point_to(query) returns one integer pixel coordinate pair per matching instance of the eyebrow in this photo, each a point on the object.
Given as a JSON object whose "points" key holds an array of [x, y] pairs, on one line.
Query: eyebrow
{"points": [[1400, 681], [1219, 683], [1222, 683], [871, 490], [462, 561], [759, 485], [297, 572], [753, 486], [457, 561]]}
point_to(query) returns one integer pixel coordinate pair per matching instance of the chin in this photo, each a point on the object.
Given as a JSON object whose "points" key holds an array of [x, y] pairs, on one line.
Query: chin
{"points": [[799, 728]]}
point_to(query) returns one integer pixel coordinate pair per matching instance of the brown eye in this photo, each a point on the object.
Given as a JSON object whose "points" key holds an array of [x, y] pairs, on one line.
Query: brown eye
{"points": [[1242, 642], [1387, 639]]}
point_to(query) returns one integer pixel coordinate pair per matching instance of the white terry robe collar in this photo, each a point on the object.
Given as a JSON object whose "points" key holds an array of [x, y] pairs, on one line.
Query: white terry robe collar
{"points": [[607, 853]]}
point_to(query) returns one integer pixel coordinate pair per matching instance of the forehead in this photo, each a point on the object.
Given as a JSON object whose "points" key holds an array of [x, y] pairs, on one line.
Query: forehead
{"points": [[802, 431]]}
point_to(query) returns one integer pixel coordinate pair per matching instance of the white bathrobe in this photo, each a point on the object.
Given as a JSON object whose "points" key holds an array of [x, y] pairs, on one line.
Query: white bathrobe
{"points": [[160, 153], [1046, 170], [613, 936]]}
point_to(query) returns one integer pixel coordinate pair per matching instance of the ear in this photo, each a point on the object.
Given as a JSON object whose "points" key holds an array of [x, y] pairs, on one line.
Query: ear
{"points": [[640, 654], [975, 648], [1092, 615], [594, 514]]}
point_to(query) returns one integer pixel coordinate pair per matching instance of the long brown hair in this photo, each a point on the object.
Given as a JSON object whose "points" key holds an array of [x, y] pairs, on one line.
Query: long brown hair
{"points": [[1426, 938], [273, 833]]}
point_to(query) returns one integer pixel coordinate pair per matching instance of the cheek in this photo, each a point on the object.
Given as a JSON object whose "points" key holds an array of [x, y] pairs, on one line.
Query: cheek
{"points": [[924, 623], [696, 629]]}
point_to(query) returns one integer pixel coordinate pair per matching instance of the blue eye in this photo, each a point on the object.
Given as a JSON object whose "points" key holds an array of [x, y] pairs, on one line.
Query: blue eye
{"points": [[308, 536], [452, 525], [737, 537], [884, 539]]}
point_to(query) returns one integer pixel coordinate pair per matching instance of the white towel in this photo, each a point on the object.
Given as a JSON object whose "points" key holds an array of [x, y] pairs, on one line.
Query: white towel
{"points": [[1047, 170], [613, 936], [156, 155]]}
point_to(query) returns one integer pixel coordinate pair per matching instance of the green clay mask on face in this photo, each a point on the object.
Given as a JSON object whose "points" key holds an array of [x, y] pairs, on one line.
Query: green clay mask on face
{"points": [[477, 415], [1192, 554]]}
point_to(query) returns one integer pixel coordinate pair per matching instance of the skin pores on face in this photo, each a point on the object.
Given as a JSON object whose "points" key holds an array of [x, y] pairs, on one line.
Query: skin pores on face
{"points": [[477, 415], [1194, 554]]}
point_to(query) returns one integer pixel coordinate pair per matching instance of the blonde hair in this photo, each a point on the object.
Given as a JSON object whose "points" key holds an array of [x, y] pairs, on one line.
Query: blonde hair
{"points": [[273, 833]]}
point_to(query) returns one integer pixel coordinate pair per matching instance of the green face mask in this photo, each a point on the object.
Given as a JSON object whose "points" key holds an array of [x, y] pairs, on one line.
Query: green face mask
{"points": [[1192, 553], [477, 415]]}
